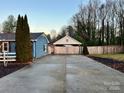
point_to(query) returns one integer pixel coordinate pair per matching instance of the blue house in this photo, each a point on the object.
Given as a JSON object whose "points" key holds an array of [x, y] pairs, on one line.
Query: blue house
{"points": [[39, 43]]}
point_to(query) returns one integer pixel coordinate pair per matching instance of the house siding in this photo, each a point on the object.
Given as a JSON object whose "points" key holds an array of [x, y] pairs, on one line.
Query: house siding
{"points": [[41, 41], [12, 47], [37, 47]]}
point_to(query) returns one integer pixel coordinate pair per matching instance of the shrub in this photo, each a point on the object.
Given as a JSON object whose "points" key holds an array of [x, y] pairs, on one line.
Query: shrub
{"points": [[85, 50]]}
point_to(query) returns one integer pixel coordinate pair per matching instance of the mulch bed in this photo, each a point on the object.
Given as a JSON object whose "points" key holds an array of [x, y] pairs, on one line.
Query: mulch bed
{"points": [[118, 65], [12, 67]]}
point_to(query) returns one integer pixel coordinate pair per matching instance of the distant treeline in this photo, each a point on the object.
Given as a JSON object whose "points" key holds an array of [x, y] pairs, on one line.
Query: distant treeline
{"points": [[97, 23]]}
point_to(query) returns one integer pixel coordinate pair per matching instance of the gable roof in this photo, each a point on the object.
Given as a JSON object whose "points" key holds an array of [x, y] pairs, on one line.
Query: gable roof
{"points": [[67, 40], [35, 35], [11, 36]]}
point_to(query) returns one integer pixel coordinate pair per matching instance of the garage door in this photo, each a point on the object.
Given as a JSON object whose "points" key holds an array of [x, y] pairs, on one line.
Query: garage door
{"points": [[66, 50]]}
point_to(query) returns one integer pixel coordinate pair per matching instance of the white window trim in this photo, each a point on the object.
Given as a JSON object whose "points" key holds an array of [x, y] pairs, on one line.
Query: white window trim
{"points": [[7, 47], [45, 47]]}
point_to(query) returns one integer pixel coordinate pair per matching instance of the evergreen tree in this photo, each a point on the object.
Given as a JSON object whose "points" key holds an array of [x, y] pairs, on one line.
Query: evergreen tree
{"points": [[28, 45], [107, 35], [18, 28], [85, 50], [19, 40], [23, 43]]}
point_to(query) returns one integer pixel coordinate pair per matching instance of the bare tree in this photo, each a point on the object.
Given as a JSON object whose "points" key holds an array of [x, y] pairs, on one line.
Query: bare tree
{"points": [[100, 23], [9, 26]]}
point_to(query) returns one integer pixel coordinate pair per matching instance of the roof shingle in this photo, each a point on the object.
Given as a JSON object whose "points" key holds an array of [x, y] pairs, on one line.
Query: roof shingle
{"points": [[11, 36]]}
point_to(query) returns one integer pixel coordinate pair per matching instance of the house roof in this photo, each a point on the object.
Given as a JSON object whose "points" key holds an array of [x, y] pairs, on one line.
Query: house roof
{"points": [[11, 36], [67, 40]]}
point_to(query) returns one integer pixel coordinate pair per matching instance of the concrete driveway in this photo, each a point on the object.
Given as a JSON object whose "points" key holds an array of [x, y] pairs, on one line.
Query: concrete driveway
{"points": [[64, 74]]}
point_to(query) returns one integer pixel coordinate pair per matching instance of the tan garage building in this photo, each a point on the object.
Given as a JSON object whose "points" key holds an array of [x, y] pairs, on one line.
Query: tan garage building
{"points": [[66, 45]]}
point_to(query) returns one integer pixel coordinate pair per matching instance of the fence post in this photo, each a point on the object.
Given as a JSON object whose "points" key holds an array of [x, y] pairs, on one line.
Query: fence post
{"points": [[4, 59]]}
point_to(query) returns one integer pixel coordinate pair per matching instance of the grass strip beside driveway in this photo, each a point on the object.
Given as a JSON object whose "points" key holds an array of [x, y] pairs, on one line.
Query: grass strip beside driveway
{"points": [[118, 57]]}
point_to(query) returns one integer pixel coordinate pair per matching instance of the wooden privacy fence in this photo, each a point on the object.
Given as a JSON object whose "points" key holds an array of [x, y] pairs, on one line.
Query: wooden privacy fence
{"points": [[91, 49], [105, 49], [6, 57]]}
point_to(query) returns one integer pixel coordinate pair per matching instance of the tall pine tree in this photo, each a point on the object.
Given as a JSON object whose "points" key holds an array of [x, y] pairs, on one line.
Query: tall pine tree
{"points": [[28, 45], [17, 38], [23, 43]]}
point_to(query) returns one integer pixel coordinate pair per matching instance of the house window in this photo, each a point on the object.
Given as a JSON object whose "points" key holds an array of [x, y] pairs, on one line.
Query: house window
{"points": [[45, 47], [5, 47]]}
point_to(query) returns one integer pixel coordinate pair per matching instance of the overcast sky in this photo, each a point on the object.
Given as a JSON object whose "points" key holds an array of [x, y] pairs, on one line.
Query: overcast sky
{"points": [[43, 15]]}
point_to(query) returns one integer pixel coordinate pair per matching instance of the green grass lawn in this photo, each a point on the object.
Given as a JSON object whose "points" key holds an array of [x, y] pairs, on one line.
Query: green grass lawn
{"points": [[119, 57]]}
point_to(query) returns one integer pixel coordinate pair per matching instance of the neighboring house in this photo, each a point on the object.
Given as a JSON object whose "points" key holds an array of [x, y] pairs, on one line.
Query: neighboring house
{"points": [[66, 45], [39, 43]]}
